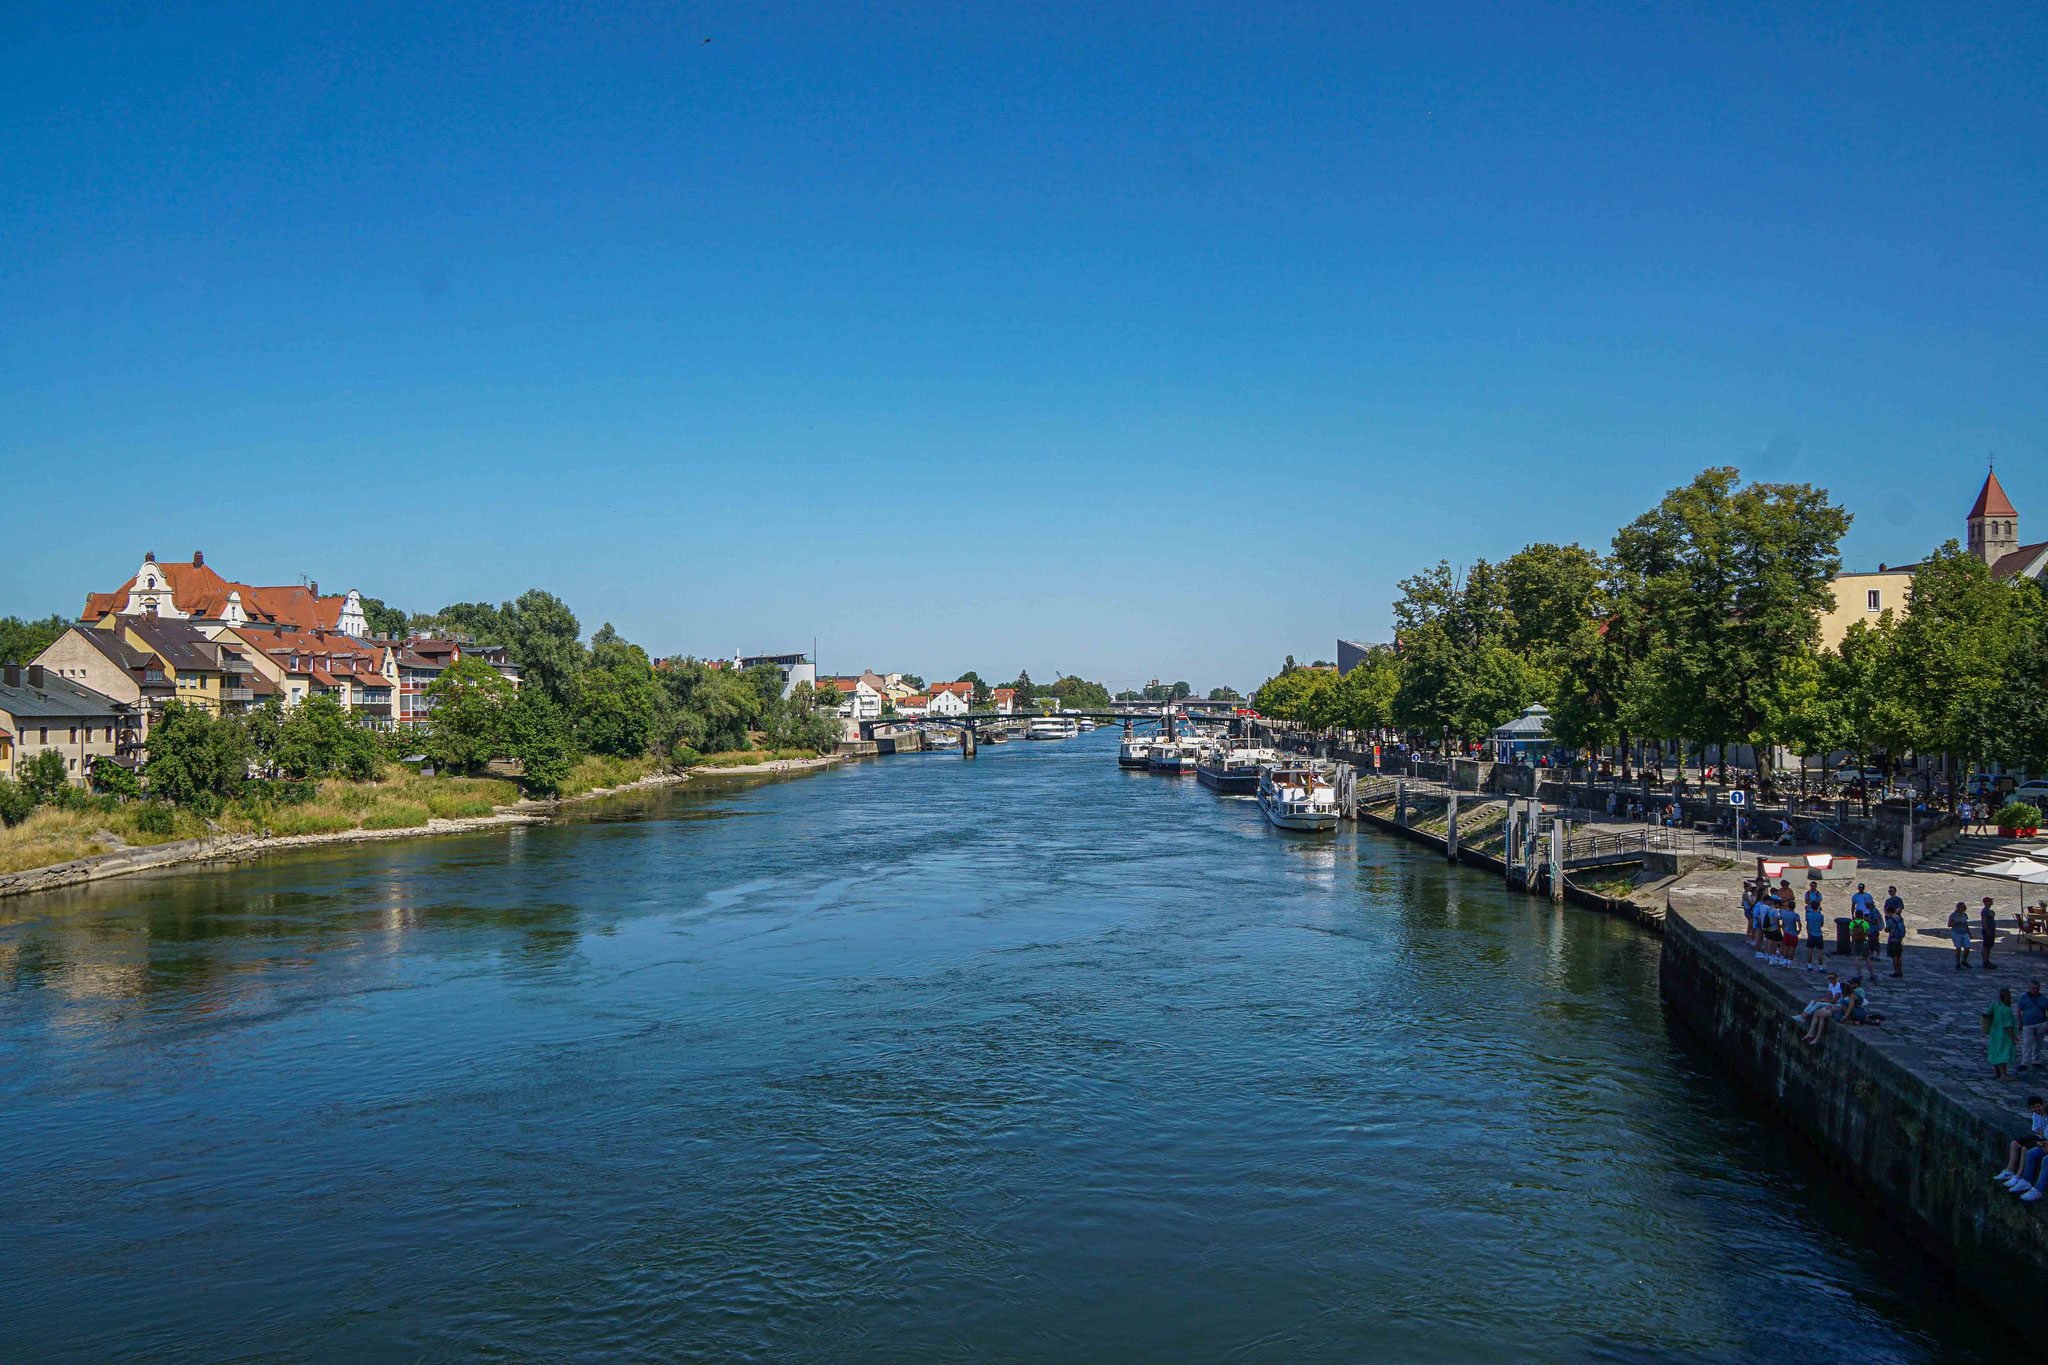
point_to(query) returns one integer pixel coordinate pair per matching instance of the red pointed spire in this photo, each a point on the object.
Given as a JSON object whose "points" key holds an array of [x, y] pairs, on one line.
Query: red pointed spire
{"points": [[1991, 499]]}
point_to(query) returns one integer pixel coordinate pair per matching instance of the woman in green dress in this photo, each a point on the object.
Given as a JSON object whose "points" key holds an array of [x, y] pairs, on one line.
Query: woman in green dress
{"points": [[2004, 1029]]}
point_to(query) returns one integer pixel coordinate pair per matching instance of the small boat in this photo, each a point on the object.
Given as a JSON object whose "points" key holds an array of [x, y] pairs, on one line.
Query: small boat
{"points": [[1297, 797], [1052, 727], [1172, 756], [1135, 751], [1230, 769], [1085, 725]]}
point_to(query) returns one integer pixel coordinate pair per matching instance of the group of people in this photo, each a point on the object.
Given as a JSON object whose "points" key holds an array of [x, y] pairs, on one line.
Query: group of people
{"points": [[1845, 1002], [1775, 923], [1959, 933]]}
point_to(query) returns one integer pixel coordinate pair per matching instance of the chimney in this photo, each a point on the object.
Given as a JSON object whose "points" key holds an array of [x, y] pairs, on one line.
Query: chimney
{"points": [[149, 557], [314, 587], [198, 560], [11, 674], [35, 675], [1880, 566]]}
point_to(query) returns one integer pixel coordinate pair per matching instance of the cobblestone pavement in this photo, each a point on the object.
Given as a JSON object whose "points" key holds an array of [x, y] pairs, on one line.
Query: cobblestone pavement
{"points": [[1932, 1015]]}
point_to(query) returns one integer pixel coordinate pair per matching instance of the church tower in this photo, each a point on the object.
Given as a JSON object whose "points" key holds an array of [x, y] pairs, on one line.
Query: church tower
{"points": [[1994, 525]]}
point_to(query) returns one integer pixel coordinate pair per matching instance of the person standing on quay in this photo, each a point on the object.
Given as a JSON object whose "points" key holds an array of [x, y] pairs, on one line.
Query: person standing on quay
{"points": [[1987, 919], [1816, 934], [1895, 931], [2033, 1014], [2003, 1027], [1959, 934]]}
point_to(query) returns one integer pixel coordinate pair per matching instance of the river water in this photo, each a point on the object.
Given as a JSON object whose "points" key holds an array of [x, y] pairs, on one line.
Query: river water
{"points": [[1018, 1058]]}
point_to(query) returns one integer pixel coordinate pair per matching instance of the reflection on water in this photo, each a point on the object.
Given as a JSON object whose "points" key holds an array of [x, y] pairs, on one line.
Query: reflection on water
{"points": [[1024, 1057]]}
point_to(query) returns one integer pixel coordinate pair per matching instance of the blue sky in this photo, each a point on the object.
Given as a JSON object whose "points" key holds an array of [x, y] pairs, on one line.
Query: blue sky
{"points": [[1124, 340]]}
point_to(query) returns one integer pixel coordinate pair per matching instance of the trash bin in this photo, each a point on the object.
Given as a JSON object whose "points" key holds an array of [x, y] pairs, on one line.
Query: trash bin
{"points": [[1841, 936]]}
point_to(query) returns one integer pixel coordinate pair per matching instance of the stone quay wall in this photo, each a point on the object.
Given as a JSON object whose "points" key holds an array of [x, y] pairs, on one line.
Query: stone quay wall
{"points": [[1890, 1128]]}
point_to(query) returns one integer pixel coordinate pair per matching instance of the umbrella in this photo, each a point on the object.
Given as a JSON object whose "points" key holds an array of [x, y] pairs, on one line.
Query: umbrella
{"points": [[2015, 868]]}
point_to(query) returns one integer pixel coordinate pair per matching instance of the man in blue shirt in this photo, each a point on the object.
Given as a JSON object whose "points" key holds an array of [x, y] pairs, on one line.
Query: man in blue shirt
{"points": [[1816, 933], [2032, 1008]]}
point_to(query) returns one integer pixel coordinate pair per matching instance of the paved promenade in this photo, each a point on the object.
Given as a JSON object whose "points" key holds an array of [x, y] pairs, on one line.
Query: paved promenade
{"points": [[1932, 1016]]}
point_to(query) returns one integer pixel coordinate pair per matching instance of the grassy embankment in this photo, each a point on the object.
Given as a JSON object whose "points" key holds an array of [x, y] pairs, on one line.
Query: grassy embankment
{"points": [[399, 800], [51, 835]]}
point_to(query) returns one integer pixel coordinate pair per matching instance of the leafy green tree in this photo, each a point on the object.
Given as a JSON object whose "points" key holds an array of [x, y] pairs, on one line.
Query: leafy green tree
{"points": [[482, 622], [619, 709], [196, 759], [536, 732], [1026, 698], [1079, 694], [47, 777], [384, 620], [465, 716], [912, 681], [1215, 694], [1493, 688], [1735, 579], [317, 739], [708, 709], [1129, 695], [1551, 593], [21, 641], [16, 805], [1365, 695], [115, 779], [546, 639], [1956, 647]]}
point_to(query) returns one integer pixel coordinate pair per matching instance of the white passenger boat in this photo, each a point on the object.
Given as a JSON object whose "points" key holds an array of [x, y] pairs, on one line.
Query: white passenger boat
{"points": [[1172, 756], [1296, 796], [1233, 769], [1135, 751], [1052, 727]]}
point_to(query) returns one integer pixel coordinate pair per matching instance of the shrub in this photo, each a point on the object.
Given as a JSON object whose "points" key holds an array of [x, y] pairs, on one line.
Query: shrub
{"points": [[46, 776], [153, 817], [16, 802], [2017, 815], [399, 815]]}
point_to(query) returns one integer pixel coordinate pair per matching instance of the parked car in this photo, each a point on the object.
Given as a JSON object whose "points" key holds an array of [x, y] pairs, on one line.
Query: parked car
{"points": [[2034, 793], [1847, 776]]}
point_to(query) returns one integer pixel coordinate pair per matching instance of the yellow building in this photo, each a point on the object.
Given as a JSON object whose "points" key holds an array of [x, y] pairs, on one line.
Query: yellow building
{"points": [[1864, 597], [1991, 530]]}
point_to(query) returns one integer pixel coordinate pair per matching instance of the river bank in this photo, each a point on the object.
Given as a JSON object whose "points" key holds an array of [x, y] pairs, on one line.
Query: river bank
{"points": [[241, 847], [1908, 1109]]}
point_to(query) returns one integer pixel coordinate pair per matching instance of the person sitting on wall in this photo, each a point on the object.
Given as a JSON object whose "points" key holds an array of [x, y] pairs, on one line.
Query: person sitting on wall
{"points": [[1819, 1011], [2024, 1155]]}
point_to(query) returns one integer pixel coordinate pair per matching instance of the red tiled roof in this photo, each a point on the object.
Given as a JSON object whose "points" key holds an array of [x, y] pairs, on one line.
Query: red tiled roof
{"points": [[2016, 562], [198, 591], [1991, 499], [965, 689]]}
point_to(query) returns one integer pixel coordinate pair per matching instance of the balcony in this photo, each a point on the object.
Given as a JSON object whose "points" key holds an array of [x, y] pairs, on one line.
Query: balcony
{"points": [[233, 693]]}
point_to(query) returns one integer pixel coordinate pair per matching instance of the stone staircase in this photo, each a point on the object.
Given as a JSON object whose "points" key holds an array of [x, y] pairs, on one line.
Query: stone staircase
{"points": [[1973, 851]]}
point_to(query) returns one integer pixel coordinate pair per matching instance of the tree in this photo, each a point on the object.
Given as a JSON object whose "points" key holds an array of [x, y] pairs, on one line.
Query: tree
{"points": [[537, 734], [1493, 689], [1215, 694], [1026, 697], [545, 638], [384, 620], [1365, 695], [21, 641], [196, 759], [1079, 694], [1550, 593], [1954, 648], [618, 712], [913, 682], [16, 805], [465, 716], [480, 621], [708, 709], [317, 739], [47, 777], [1735, 579], [115, 779]]}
